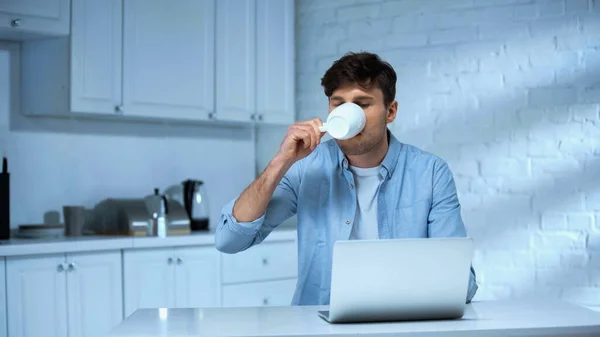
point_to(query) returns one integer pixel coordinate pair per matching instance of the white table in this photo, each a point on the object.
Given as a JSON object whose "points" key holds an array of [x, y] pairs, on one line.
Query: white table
{"points": [[486, 318]]}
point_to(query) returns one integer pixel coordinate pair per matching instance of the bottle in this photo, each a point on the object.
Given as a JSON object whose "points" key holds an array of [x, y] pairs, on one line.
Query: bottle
{"points": [[4, 201]]}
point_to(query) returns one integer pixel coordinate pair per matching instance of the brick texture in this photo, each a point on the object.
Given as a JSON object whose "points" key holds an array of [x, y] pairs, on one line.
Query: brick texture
{"points": [[508, 92]]}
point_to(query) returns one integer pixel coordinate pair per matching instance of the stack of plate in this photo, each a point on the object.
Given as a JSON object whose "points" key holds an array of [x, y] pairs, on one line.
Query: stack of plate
{"points": [[40, 231]]}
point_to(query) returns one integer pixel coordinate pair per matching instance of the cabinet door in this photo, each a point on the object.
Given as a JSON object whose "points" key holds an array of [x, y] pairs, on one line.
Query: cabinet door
{"points": [[268, 293], [197, 277], [3, 325], [236, 60], [275, 61], [269, 260], [36, 296], [43, 17], [149, 277], [96, 56], [168, 55], [95, 295]]}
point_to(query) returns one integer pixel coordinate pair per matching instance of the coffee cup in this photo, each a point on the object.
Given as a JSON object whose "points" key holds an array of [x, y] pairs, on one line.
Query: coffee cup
{"points": [[345, 121]]}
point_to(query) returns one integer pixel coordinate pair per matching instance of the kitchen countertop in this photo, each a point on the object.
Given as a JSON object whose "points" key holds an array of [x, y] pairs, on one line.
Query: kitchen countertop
{"points": [[87, 243], [485, 318]]}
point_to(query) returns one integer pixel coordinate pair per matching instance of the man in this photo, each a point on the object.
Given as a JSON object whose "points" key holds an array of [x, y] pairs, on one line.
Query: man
{"points": [[367, 187]]}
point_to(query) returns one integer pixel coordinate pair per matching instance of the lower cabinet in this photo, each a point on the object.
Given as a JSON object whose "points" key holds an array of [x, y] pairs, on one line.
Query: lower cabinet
{"points": [[171, 278], [269, 293], [3, 324], [263, 275], [77, 294], [87, 294]]}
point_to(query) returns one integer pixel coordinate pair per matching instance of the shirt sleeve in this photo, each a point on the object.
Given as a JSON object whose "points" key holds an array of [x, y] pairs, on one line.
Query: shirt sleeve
{"points": [[233, 236], [445, 219]]}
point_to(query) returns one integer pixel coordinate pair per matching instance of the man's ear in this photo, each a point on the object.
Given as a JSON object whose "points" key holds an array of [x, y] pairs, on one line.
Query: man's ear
{"points": [[392, 110]]}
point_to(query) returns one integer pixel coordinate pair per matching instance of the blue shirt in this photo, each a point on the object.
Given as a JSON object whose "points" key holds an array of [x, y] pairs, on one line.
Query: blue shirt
{"points": [[417, 199]]}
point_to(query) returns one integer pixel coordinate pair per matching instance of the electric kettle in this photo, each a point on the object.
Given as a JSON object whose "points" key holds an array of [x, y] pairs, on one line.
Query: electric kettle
{"points": [[192, 195]]}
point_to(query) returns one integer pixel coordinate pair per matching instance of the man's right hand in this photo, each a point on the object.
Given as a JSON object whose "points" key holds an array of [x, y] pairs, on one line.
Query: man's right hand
{"points": [[300, 140]]}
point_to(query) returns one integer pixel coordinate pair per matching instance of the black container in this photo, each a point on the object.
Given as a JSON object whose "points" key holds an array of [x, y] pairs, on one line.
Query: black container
{"points": [[4, 201]]}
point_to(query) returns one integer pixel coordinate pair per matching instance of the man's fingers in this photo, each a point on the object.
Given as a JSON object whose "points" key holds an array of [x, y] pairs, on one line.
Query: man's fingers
{"points": [[314, 139], [301, 133], [316, 124]]}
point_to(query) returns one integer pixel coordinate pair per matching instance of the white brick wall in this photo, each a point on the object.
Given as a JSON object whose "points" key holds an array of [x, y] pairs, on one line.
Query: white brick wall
{"points": [[508, 92]]}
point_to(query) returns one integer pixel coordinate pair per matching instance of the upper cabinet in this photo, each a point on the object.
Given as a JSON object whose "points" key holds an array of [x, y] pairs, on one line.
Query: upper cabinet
{"points": [[29, 19], [275, 61], [195, 60], [236, 60], [96, 56], [168, 58]]}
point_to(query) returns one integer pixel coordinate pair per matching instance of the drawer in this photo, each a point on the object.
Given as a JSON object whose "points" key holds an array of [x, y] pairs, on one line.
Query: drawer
{"points": [[270, 293], [265, 261]]}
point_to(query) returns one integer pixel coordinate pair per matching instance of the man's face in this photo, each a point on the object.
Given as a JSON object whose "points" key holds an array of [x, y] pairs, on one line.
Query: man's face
{"points": [[377, 116]]}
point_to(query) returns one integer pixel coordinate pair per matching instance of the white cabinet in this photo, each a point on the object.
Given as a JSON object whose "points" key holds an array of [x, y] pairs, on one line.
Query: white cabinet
{"points": [[275, 61], [199, 60], [197, 277], [137, 58], [263, 275], [149, 279], [3, 324], [94, 293], [268, 260], [36, 292], [168, 58], [268, 293], [171, 278], [64, 294], [77, 74], [255, 61], [26, 19], [96, 56], [236, 59]]}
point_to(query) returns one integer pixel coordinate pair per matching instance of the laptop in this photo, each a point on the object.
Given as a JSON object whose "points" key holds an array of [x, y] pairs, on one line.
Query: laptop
{"points": [[399, 280]]}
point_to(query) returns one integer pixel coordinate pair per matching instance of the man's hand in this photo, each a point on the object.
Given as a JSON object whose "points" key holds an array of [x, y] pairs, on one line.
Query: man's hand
{"points": [[300, 140]]}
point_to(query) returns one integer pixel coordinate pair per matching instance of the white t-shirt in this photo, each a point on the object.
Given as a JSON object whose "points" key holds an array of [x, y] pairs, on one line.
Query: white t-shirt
{"points": [[366, 182]]}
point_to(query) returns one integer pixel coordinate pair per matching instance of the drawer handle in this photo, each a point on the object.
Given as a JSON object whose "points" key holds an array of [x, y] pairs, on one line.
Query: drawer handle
{"points": [[15, 23], [265, 261], [265, 301]]}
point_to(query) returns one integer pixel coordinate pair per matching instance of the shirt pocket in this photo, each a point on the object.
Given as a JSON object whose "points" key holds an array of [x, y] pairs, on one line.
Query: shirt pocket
{"points": [[411, 220]]}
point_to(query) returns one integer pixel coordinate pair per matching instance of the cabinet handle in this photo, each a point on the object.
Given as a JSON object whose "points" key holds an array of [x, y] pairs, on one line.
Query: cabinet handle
{"points": [[179, 260], [260, 117], [170, 260], [61, 267], [119, 109], [265, 301], [72, 266], [265, 261], [253, 117], [211, 115], [15, 23]]}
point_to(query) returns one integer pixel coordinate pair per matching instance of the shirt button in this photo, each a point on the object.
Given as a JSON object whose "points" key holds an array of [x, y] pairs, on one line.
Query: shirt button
{"points": [[347, 222], [350, 186]]}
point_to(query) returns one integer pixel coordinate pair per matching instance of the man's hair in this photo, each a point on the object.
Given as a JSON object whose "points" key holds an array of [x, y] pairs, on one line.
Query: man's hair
{"points": [[363, 68]]}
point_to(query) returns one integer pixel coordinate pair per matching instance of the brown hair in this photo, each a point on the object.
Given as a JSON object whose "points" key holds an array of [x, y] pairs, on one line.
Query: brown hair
{"points": [[364, 69]]}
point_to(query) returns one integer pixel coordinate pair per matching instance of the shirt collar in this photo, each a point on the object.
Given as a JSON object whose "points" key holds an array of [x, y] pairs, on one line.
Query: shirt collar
{"points": [[389, 161]]}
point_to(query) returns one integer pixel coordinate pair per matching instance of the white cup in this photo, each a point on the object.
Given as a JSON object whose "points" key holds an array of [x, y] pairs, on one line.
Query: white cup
{"points": [[345, 121]]}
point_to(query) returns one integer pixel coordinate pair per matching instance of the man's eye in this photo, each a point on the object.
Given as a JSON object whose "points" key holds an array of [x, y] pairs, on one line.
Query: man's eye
{"points": [[363, 105]]}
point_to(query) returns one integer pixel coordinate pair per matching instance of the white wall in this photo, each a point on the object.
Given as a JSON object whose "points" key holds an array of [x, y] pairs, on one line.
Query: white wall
{"points": [[508, 92], [57, 162]]}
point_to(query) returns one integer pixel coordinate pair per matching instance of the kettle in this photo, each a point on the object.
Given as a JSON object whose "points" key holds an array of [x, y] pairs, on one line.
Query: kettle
{"points": [[156, 205], [192, 195]]}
